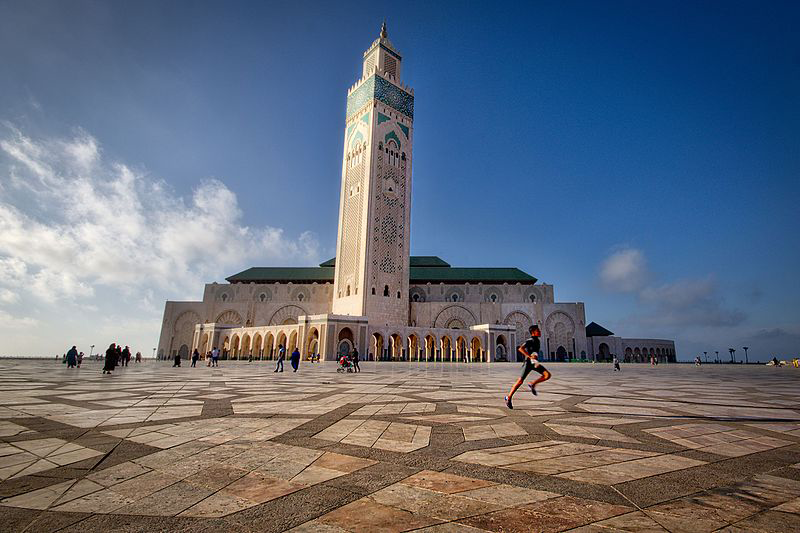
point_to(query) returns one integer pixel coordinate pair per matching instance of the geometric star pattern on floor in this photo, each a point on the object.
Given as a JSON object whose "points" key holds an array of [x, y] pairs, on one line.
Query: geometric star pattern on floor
{"points": [[402, 446]]}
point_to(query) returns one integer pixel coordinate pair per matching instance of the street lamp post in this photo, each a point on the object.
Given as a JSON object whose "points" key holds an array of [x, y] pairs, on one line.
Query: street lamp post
{"points": [[154, 353], [706, 354], [717, 359], [745, 348], [733, 354], [91, 349]]}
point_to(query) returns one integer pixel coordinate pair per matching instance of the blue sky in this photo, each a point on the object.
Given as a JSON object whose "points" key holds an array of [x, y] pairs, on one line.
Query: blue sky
{"points": [[642, 157]]}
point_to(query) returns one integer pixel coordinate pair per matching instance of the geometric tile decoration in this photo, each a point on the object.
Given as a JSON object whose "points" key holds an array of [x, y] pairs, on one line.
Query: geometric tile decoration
{"points": [[493, 431], [394, 436], [436, 501], [583, 462], [718, 439], [28, 457], [214, 431], [588, 432], [400, 446], [223, 479]]}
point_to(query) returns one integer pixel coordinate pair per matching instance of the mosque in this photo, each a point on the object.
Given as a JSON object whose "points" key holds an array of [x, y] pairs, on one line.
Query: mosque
{"points": [[374, 296]]}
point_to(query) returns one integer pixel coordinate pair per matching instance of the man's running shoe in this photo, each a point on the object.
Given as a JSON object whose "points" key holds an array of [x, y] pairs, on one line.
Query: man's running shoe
{"points": [[533, 390], [508, 402]]}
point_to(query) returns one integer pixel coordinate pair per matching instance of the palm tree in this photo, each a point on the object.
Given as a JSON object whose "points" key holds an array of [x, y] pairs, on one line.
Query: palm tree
{"points": [[733, 355], [745, 348], [706, 354]]}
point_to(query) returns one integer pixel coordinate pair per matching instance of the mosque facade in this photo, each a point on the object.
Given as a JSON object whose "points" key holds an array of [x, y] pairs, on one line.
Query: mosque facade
{"points": [[375, 296]]}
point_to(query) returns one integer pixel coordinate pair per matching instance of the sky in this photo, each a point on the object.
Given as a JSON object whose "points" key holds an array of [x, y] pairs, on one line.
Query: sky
{"points": [[643, 157]]}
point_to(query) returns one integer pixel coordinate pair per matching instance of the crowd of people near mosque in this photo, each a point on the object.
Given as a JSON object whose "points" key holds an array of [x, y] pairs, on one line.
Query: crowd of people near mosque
{"points": [[115, 356]]}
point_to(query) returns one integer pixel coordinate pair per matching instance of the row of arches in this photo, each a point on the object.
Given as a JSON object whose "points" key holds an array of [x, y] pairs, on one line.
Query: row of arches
{"points": [[262, 346], [643, 354], [462, 348]]}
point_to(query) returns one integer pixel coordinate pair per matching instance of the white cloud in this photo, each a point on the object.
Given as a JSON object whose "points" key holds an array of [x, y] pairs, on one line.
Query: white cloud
{"points": [[680, 303], [624, 270], [694, 302], [72, 222]]}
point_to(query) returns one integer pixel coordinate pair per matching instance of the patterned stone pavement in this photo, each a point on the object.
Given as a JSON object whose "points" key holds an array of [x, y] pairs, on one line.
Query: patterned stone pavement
{"points": [[399, 447]]}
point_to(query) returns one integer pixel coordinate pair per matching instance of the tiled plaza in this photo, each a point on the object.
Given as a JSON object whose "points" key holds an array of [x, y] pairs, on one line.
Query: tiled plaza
{"points": [[398, 447]]}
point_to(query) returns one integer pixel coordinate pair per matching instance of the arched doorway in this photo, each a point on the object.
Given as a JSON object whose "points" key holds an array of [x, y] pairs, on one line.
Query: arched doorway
{"points": [[501, 349], [281, 342], [430, 348], [246, 345], [475, 350], [413, 348], [183, 352], [204, 348], [346, 343], [292, 342], [235, 347], [447, 352], [604, 353], [377, 346], [461, 349], [269, 346], [397, 347], [226, 347], [257, 348], [312, 343], [628, 355], [561, 354]]}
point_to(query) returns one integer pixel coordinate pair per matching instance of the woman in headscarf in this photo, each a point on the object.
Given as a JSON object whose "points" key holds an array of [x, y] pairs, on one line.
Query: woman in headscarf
{"points": [[72, 357], [111, 359]]}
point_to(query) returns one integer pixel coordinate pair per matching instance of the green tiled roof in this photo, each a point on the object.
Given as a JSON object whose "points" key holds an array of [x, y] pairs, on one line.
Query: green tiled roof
{"points": [[414, 261], [424, 269], [283, 275], [469, 275]]}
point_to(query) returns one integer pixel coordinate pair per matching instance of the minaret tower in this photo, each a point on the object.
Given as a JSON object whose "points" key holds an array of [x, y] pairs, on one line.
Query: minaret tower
{"points": [[375, 206]]}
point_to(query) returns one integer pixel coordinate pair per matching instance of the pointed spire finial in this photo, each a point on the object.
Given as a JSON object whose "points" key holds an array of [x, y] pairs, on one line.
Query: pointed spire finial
{"points": [[383, 29]]}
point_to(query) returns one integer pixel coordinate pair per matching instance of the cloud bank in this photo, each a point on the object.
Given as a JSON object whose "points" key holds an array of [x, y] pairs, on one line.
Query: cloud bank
{"points": [[76, 228], [681, 303]]}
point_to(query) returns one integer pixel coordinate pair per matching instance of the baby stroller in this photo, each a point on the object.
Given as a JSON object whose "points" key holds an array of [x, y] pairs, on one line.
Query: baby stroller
{"points": [[344, 364]]}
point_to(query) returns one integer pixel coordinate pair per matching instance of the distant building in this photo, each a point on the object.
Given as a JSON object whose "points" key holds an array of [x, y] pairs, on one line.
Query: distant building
{"points": [[604, 345], [374, 296]]}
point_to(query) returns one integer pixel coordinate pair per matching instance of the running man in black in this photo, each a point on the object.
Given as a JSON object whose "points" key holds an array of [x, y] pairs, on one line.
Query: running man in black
{"points": [[531, 352]]}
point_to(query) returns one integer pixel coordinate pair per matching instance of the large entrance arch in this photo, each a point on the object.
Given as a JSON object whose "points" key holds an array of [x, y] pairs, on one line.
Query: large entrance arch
{"points": [[604, 354], [561, 354], [501, 349]]}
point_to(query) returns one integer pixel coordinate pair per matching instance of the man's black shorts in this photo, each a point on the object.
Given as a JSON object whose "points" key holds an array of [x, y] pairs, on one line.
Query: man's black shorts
{"points": [[528, 366]]}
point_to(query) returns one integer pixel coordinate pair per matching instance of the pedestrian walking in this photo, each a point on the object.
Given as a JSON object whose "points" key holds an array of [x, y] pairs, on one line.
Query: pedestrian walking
{"points": [[531, 352], [616, 365], [138, 357], [295, 359], [80, 359], [111, 357], [215, 357], [195, 357], [72, 357], [354, 357], [281, 357], [177, 359]]}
